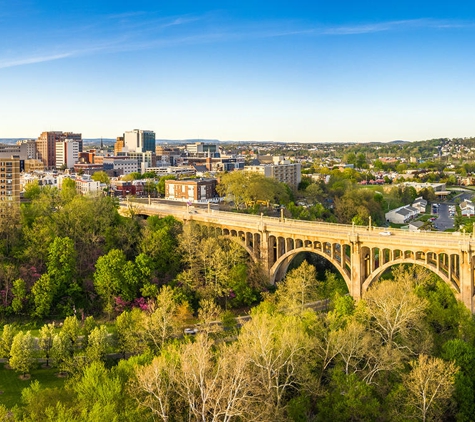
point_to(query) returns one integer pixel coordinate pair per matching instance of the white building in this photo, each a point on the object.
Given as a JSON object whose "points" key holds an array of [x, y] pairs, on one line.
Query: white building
{"points": [[401, 215], [86, 186], [467, 208], [420, 204], [139, 140], [67, 153]]}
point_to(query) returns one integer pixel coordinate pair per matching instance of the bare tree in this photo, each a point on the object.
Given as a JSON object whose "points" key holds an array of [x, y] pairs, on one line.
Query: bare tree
{"points": [[431, 385]]}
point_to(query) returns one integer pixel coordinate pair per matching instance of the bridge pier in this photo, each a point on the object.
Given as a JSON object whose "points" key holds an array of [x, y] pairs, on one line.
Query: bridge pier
{"points": [[466, 277], [356, 288]]}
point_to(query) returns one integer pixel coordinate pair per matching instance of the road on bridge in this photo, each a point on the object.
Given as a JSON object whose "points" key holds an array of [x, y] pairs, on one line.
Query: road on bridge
{"points": [[375, 235]]}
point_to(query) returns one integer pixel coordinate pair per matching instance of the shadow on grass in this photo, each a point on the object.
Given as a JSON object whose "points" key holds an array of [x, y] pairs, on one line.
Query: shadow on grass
{"points": [[11, 385]]}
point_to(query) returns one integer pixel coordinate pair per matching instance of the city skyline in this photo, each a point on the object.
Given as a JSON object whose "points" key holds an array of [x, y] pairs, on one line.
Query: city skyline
{"points": [[308, 72]]}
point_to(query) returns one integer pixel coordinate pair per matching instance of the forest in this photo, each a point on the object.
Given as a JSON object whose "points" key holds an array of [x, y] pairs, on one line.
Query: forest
{"points": [[101, 302]]}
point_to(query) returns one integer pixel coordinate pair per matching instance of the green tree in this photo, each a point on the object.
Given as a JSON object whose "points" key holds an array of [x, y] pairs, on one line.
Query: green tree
{"points": [[6, 341], [298, 288], [20, 295], [98, 344], [45, 340], [110, 279], [101, 176], [22, 354]]}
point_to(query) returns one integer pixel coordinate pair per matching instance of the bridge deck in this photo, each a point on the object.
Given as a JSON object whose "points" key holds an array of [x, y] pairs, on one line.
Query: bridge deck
{"points": [[301, 228]]}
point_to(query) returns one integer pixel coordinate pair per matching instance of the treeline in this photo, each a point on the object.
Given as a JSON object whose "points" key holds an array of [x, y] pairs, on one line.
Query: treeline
{"points": [[405, 352]]}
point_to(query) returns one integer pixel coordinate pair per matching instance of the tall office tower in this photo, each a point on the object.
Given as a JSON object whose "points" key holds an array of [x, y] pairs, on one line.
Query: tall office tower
{"points": [[67, 153], [140, 140], [46, 147], [10, 181], [119, 145]]}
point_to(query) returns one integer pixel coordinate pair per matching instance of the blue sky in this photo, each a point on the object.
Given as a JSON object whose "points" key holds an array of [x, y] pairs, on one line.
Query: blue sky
{"points": [[316, 71]]}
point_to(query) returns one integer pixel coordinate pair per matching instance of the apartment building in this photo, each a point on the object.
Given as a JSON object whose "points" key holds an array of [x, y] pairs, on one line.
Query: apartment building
{"points": [[10, 180], [281, 170]]}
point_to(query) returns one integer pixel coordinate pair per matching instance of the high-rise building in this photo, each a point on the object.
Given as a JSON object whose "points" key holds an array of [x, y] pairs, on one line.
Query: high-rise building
{"points": [[10, 180], [67, 153], [119, 145], [46, 145], [139, 140]]}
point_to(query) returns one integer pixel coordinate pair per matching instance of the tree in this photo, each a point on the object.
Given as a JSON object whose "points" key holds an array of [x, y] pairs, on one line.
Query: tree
{"points": [[248, 187], [397, 314], [101, 176], [216, 387], [6, 342], [62, 352], [71, 330], [157, 383], [129, 330], [59, 280], [278, 350], [430, 385], [98, 344], [159, 322], [45, 340], [110, 280], [20, 295], [298, 288], [22, 353]]}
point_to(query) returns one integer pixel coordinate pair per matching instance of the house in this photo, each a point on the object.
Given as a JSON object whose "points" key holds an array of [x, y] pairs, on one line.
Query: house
{"points": [[415, 226], [467, 208], [420, 204], [401, 215]]}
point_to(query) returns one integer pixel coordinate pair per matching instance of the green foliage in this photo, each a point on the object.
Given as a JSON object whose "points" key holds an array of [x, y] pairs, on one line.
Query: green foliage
{"points": [[246, 187], [348, 398], [101, 176], [22, 354]]}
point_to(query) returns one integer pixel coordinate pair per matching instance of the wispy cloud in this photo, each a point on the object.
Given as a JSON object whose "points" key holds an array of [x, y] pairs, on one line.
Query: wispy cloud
{"points": [[394, 25], [31, 60], [153, 32]]}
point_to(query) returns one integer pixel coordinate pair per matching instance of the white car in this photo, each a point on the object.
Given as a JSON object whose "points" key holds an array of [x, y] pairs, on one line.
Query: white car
{"points": [[190, 331], [385, 233]]}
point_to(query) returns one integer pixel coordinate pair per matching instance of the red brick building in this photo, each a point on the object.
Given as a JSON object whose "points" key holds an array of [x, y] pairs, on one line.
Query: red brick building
{"points": [[191, 190]]}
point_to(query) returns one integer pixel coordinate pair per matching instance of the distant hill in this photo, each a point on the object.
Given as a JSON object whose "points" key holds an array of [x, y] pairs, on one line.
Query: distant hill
{"points": [[399, 142]]}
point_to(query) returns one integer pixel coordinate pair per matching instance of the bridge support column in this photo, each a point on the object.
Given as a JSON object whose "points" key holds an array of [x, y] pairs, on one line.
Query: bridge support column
{"points": [[265, 255], [356, 268], [466, 277]]}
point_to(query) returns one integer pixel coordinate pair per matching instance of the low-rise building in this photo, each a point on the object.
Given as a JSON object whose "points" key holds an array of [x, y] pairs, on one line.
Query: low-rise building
{"points": [[401, 215], [467, 208], [192, 190]]}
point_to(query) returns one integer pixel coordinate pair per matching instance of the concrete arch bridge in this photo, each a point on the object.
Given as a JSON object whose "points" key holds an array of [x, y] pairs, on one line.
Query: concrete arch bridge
{"points": [[360, 253]]}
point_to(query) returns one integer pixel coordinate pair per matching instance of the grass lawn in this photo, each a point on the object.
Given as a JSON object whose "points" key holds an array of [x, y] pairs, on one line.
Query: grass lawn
{"points": [[11, 385]]}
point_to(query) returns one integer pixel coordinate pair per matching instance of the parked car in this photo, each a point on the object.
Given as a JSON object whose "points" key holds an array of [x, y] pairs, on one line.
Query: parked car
{"points": [[385, 233], [190, 331]]}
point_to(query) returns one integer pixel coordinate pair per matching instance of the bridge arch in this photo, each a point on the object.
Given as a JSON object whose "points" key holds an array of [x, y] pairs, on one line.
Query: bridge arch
{"points": [[238, 240], [281, 265], [374, 276]]}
